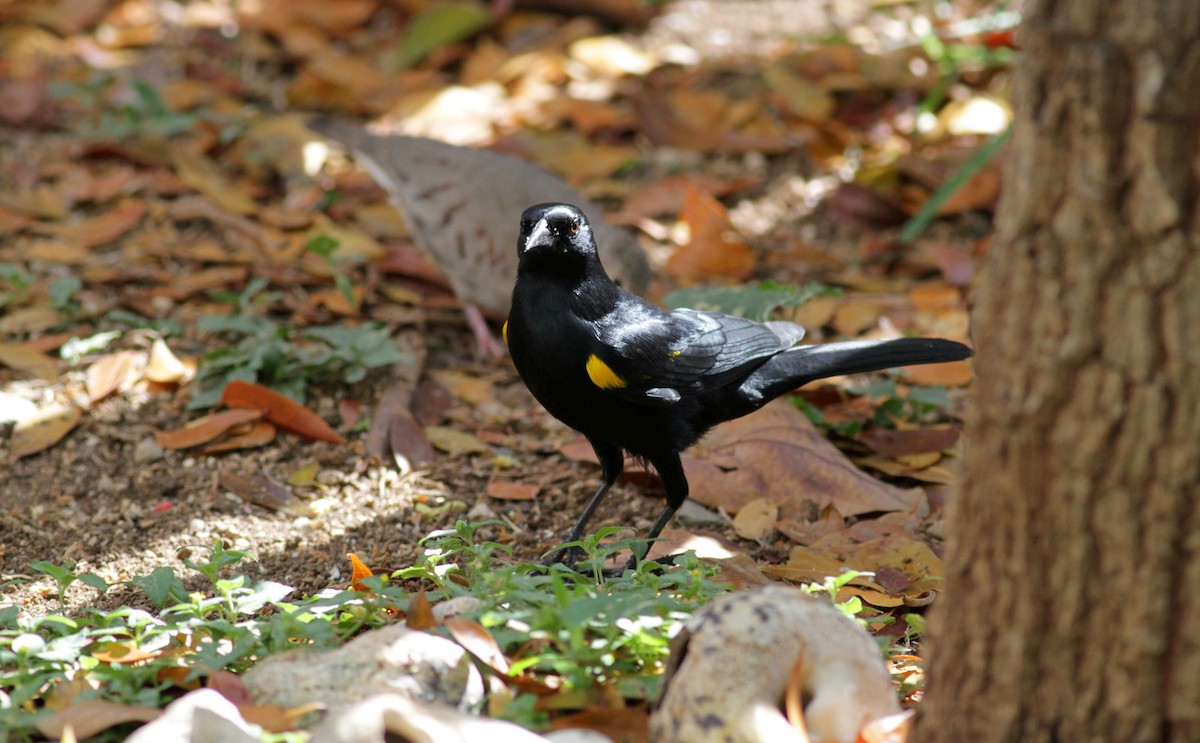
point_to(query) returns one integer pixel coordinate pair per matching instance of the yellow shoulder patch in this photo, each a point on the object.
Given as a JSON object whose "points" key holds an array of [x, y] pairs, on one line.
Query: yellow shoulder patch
{"points": [[504, 332], [602, 374]]}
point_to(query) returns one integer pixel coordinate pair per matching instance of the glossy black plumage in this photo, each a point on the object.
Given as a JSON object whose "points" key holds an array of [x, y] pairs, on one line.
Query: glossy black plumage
{"points": [[633, 377]]}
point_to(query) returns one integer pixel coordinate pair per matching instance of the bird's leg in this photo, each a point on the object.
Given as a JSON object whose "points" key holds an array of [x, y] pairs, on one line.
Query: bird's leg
{"points": [[670, 471], [612, 462], [486, 343]]}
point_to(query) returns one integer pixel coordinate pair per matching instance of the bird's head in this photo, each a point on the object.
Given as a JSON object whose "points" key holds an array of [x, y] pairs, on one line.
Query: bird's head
{"points": [[555, 229]]}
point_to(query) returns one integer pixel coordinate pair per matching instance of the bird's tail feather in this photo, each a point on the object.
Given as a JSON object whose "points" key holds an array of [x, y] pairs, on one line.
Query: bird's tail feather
{"points": [[791, 369]]}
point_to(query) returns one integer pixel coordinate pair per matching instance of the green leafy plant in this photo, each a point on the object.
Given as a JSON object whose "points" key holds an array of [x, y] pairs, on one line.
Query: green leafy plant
{"points": [[261, 350], [918, 405], [584, 628], [64, 577]]}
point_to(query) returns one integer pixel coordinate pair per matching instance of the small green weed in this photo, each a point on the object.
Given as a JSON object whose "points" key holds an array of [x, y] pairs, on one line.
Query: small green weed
{"points": [[264, 351]]}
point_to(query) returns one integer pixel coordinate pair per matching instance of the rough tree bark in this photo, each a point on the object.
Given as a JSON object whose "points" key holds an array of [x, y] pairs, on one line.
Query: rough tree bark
{"points": [[1073, 566]]}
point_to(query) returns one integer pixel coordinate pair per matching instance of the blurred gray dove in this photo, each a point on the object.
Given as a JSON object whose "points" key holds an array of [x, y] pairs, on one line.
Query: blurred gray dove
{"points": [[461, 204]]}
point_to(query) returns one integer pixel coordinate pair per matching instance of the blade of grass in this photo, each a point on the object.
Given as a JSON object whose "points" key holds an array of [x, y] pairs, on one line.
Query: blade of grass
{"points": [[915, 226]]}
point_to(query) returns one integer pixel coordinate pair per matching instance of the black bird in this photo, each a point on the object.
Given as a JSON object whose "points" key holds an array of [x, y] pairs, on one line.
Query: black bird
{"points": [[633, 377]]}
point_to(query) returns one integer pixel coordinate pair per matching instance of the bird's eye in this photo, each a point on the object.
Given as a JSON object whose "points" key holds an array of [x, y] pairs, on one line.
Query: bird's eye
{"points": [[575, 227]]}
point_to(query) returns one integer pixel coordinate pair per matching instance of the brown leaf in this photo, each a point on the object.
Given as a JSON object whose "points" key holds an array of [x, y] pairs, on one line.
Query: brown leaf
{"points": [[857, 206], [419, 615], [205, 176], [938, 474], [104, 228], [624, 724], [350, 413], [276, 719], [667, 196], [478, 642], [282, 411], [467, 387], [949, 374], [230, 686], [454, 441], [890, 442], [43, 430], [112, 372], [509, 490], [711, 253], [776, 453], [258, 433], [92, 716], [262, 491], [205, 429], [26, 358], [956, 263], [756, 519], [28, 320], [123, 652]]}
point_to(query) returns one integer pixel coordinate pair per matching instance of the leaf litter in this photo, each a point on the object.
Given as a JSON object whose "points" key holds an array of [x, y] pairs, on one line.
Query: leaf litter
{"points": [[174, 233]]}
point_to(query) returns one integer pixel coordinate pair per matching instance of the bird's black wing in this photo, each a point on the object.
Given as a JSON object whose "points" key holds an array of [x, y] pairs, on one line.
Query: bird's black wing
{"points": [[649, 355]]}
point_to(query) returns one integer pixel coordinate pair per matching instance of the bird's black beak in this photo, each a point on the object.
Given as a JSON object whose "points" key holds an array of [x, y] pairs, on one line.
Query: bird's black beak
{"points": [[541, 236]]}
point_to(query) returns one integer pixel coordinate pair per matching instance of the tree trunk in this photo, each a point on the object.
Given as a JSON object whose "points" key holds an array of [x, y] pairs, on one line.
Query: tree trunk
{"points": [[1073, 565]]}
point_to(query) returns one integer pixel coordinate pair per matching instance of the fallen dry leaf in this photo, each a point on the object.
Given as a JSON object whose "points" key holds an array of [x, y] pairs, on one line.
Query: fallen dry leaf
{"points": [[863, 208], [282, 411], [124, 652], [205, 176], [509, 490], [262, 491], [893, 442], [949, 374], [358, 571], [939, 474], [205, 429], [103, 228], [164, 367], [26, 358], [667, 196], [776, 453], [258, 433], [624, 723], [455, 442], [92, 716], [42, 430], [469, 388], [711, 253], [112, 372], [756, 520], [419, 614], [28, 320], [274, 718], [478, 641], [230, 686]]}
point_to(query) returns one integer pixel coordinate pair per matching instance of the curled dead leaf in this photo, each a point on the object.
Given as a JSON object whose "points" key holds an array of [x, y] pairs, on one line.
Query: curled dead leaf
{"points": [[164, 367], [282, 411], [205, 429], [112, 372], [246, 436]]}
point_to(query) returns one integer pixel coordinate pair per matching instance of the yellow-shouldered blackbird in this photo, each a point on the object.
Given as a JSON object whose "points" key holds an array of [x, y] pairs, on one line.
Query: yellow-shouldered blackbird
{"points": [[633, 377]]}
